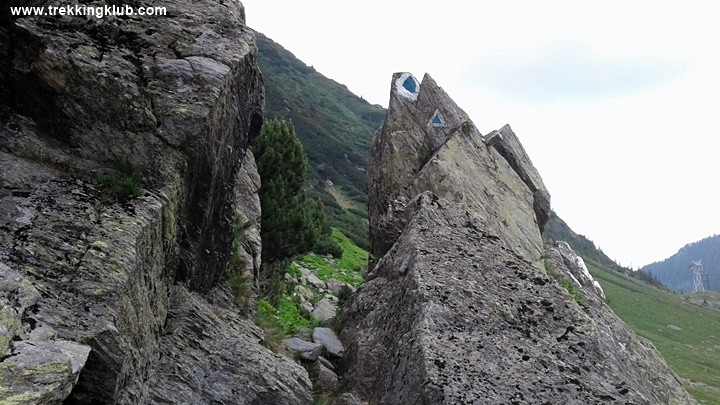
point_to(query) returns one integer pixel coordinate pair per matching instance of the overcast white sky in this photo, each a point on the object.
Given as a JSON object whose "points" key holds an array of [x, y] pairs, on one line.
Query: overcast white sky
{"points": [[616, 102]]}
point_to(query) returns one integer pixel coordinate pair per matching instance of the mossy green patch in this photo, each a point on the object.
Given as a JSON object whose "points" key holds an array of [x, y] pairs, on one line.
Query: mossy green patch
{"points": [[353, 257], [573, 291], [294, 271], [99, 245]]}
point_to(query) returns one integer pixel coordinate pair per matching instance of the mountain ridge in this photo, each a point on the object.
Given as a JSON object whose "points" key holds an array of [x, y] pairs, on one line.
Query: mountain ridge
{"points": [[675, 273]]}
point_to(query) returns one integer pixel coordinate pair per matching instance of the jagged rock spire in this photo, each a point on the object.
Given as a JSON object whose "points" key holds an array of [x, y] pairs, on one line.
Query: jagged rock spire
{"points": [[460, 307], [426, 136]]}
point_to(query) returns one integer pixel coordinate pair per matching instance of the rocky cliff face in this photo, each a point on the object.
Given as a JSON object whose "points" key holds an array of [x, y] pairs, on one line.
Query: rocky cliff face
{"points": [[464, 304], [105, 285]]}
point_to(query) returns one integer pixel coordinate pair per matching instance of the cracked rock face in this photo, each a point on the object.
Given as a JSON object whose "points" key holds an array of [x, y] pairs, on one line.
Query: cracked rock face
{"points": [[412, 153], [176, 98], [88, 282], [459, 307], [222, 362]]}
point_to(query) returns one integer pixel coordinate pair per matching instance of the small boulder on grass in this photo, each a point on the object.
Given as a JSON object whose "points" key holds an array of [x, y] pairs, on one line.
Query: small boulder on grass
{"points": [[334, 285], [325, 310], [314, 281], [303, 292]]}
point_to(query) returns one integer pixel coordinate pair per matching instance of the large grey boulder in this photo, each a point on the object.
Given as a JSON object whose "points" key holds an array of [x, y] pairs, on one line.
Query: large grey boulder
{"points": [[247, 245], [176, 99], [42, 372], [459, 307], [507, 144], [172, 102], [102, 268], [37, 367]]}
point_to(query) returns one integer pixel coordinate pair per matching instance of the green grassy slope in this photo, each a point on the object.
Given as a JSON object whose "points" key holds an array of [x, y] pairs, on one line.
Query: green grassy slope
{"points": [[348, 268], [335, 126], [693, 352]]}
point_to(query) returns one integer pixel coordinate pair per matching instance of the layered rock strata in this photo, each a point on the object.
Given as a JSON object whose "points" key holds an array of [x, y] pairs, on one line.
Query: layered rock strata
{"points": [[460, 307]]}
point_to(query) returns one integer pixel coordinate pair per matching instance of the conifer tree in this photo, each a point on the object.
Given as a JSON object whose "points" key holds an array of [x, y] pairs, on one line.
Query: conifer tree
{"points": [[292, 222]]}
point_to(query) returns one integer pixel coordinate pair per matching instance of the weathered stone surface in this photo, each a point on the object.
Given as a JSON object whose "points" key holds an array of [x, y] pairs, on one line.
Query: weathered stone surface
{"points": [[41, 372], [307, 350], [410, 155], [210, 354], [325, 362], [327, 380], [329, 340], [325, 310], [459, 307], [102, 268], [36, 367], [508, 145], [174, 100]]}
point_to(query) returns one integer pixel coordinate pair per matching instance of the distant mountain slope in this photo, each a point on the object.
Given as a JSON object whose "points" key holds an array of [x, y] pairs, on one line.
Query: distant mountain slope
{"points": [[335, 126], [674, 271]]}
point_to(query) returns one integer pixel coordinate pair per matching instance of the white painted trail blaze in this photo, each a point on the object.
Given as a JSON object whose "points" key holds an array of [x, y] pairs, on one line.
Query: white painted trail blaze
{"points": [[407, 86]]}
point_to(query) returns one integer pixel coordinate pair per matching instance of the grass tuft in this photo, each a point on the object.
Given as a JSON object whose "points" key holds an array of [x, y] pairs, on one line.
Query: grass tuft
{"points": [[119, 186], [573, 291]]}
